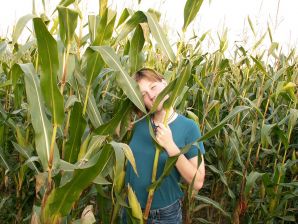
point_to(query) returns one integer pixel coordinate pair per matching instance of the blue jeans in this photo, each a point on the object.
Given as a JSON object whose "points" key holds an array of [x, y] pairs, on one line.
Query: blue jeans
{"points": [[171, 214]]}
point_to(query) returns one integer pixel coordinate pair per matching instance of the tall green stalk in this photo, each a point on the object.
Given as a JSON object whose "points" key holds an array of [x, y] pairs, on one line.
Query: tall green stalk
{"points": [[154, 171]]}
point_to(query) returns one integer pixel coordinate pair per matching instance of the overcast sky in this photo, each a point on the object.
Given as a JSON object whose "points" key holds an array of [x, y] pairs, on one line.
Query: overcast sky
{"points": [[214, 15]]}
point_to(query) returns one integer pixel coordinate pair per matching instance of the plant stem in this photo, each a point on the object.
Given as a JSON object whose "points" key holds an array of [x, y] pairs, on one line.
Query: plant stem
{"points": [[52, 146], [86, 99], [65, 65], [154, 171]]}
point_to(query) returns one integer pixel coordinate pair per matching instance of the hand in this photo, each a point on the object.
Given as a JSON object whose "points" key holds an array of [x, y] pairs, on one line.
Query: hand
{"points": [[165, 139]]}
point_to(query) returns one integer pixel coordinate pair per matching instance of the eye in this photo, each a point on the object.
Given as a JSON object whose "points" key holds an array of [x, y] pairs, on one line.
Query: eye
{"points": [[152, 87]]}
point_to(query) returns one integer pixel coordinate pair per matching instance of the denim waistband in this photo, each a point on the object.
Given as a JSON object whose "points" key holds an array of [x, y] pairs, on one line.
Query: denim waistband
{"points": [[155, 212]]}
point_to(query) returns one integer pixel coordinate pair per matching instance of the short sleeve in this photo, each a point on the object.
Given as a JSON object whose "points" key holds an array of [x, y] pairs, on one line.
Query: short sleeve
{"points": [[193, 134]]}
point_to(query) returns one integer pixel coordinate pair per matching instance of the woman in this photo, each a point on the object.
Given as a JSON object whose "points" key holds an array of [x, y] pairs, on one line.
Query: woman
{"points": [[179, 131]]}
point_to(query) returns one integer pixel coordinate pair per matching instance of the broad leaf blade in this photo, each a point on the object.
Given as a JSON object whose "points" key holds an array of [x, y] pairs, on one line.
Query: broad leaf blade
{"points": [[105, 29], [110, 127], [251, 179], [159, 36], [20, 26], [60, 201], [76, 131], [162, 94], [127, 84], [135, 51], [94, 64], [232, 114], [48, 57], [191, 9], [66, 3], [68, 19], [125, 14], [27, 154], [103, 7], [41, 124], [213, 203], [138, 17], [93, 112], [180, 84]]}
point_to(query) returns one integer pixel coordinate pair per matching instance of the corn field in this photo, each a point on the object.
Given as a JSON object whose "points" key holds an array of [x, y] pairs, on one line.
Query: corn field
{"points": [[67, 100]]}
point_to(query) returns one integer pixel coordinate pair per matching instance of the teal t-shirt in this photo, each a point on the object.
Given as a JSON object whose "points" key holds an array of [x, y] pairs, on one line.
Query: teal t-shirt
{"points": [[184, 131]]}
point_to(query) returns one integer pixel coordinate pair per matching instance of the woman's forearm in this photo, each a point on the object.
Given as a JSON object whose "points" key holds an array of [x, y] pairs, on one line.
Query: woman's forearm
{"points": [[188, 168]]}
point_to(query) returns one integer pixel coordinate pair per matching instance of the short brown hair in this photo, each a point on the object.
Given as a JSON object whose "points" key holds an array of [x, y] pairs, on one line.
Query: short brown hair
{"points": [[147, 73]]}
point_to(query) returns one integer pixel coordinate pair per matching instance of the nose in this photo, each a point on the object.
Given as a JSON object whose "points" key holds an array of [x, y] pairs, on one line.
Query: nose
{"points": [[151, 95]]}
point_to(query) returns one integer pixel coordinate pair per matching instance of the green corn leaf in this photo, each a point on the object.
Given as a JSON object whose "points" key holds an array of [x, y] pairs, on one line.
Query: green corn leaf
{"points": [[257, 44], [48, 57], [110, 127], [160, 36], [76, 130], [260, 66], [101, 180], [127, 152], [125, 82], [251, 25], [4, 161], [223, 45], [60, 200], [103, 7], [251, 179], [191, 9], [93, 112], [120, 158], [119, 172], [217, 128], [125, 14], [180, 84], [94, 64], [265, 134], [20, 26], [292, 120], [138, 17], [135, 51], [213, 203], [93, 147], [274, 46], [41, 124], [162, 94], [66, 3], [16, 73], [6, 83], [22, 51], [68, 19], [92, 27], [105, 29], [26, 153]]}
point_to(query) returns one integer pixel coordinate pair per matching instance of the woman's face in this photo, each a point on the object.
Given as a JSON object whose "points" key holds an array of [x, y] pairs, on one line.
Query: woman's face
{"points": [[150, 90]]}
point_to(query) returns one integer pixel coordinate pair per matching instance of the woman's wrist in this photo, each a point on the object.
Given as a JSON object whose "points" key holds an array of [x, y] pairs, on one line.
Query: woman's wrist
{"points": [[172, 149]]}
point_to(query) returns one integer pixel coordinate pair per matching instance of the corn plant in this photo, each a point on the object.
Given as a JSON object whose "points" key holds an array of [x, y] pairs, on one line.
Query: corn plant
{"points": [[67, 99]]}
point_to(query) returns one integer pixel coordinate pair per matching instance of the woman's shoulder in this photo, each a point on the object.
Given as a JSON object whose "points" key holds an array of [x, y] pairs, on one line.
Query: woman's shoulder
{"points": [[186, 121]]}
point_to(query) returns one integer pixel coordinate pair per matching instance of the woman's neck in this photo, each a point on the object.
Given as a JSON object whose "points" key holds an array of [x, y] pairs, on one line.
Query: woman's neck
{"points": [[159, 116]]}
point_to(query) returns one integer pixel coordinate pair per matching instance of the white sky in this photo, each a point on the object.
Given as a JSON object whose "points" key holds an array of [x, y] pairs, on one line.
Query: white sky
{"points": [[214, 15]]}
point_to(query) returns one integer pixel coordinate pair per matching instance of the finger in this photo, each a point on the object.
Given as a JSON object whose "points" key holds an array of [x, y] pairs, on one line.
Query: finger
{"points": [[161, 132], [161, 125]]}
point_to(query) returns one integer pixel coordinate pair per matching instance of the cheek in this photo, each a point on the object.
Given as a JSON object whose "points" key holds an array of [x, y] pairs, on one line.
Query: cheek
{"points": [[146, 100], [159, 89]]}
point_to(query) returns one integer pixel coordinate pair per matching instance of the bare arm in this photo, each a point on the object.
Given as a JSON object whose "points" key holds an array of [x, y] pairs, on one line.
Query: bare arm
{"points": [[188, 168]]}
